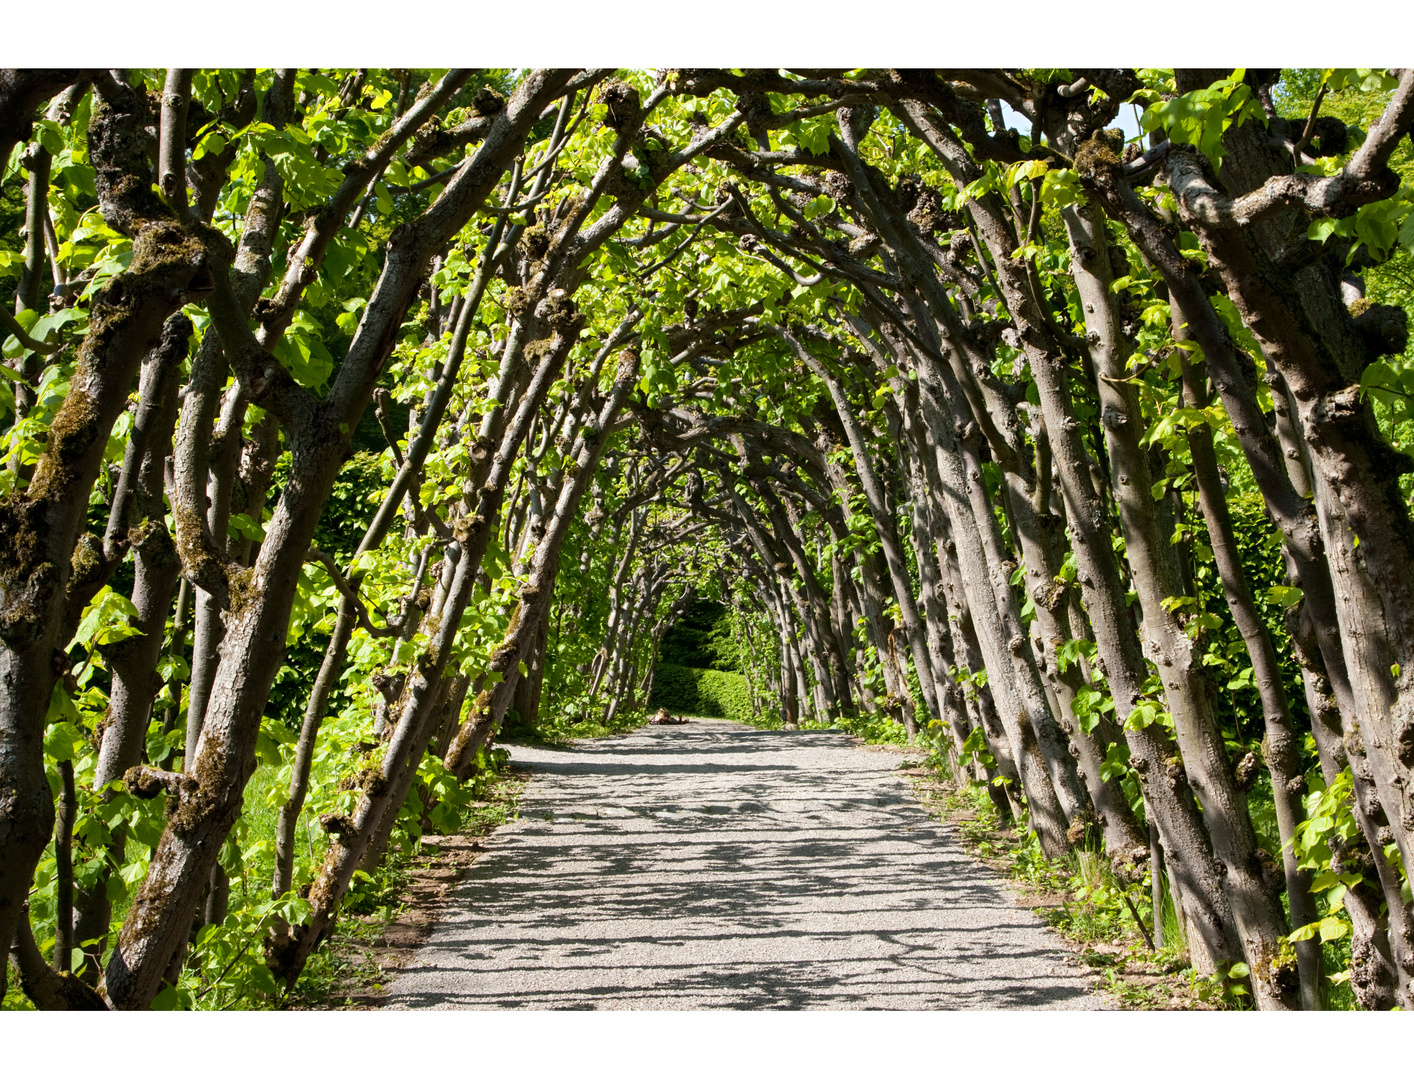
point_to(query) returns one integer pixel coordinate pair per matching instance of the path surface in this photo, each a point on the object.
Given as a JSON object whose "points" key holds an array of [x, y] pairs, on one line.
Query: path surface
{"points": [[712, 865]]}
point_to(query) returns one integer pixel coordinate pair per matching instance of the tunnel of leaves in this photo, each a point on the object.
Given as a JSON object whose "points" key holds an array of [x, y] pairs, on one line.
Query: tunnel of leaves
{"points": [[355, 420]]}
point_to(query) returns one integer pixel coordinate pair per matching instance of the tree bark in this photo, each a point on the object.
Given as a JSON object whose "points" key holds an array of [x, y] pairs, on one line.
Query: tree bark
{"points": [[222, 761], [41, 526], [1279, 747], [1256, 912]]}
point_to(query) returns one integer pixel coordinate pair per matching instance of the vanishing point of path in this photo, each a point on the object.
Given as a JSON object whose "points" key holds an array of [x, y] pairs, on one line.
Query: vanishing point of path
{"points": [[716, 866]]}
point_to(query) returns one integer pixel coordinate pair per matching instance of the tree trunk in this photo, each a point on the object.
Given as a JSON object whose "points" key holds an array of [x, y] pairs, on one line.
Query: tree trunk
{"points": [[491, 704], [1257, 914], [1279, 747], [40, 527]]}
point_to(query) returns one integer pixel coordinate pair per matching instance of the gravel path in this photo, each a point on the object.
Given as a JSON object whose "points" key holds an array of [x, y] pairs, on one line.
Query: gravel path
{"points": [[712, 865]]}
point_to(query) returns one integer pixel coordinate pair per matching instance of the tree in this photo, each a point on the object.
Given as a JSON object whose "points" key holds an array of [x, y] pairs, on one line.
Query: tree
{"points": [[1078, 461]]}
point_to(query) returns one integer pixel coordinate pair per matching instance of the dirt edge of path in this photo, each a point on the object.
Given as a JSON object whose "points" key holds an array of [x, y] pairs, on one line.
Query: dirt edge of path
{"points": [[367, 966], [1124, 974]]}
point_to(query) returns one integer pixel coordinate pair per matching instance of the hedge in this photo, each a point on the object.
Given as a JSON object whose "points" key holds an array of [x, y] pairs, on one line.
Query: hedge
{"points": [[700, 692]]}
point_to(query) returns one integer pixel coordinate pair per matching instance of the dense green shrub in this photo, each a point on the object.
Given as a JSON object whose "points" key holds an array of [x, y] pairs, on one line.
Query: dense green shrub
{"points": [[700, 692]]}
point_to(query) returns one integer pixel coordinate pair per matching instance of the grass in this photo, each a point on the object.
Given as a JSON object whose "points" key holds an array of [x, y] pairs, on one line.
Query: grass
{"points": [[349, 966], [564, 727]]}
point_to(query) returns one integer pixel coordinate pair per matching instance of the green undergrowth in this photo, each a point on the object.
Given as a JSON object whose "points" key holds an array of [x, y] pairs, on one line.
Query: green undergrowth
{"points": [[870, 727], [225, 967], [348, 962], [694, 691], [874, 728], [563, 726], [227, 970]]}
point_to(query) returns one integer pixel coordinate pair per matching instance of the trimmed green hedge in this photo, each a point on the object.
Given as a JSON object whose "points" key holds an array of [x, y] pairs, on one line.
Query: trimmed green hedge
{"points": [[700, 692]]}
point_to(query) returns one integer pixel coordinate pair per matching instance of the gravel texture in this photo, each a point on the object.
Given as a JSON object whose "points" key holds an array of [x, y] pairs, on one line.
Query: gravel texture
{"points": [[716, 866]]}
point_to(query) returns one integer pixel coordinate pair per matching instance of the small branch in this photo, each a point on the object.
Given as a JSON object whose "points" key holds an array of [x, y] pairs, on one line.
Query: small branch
{"points": [[1394, 123], [1366, 178], [144, 781], [1310, 128], [172, 147], [529, 204], [1148, 938], [986, 266], [43, 348], [381, 398], [553, 154], [51, 243], [1147, 161], [244, 949], [348, 592], [437, 178]]}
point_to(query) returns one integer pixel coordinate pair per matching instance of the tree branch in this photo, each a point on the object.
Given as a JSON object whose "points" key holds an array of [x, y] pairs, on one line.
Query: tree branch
{"points": [[393, 629]]}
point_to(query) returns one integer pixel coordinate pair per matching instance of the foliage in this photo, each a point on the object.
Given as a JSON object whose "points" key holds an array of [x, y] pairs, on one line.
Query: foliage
{"points": [[701, 692], [820, 338], [696, 639]]}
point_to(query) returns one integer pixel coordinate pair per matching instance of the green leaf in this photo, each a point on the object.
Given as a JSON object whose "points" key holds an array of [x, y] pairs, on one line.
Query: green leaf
{"points": [[1201, 117], [61, 706], [811, 134], [64, 740], [1141, 716], [132, 873], [48, 135], [213, 142], [1406, 235], [1321, 229], [1062, 188], [1369, 80], [267, 750], [246, 526], [1323, 881], [167, 1000], [1026, 170], [1333, 929], [303, 354]]}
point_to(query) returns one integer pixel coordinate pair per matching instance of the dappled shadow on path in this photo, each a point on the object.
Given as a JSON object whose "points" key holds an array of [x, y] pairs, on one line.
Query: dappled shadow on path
{"points": [[717, 866]]}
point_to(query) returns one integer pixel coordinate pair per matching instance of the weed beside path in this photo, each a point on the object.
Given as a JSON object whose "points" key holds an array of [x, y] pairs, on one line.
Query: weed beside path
{"points": [[1103, 936], [368, 949]]}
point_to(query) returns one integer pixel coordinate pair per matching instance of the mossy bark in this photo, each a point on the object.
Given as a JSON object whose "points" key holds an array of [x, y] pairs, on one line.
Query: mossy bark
{"points": [[491, 705], [40, 526], [223, 759]]}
